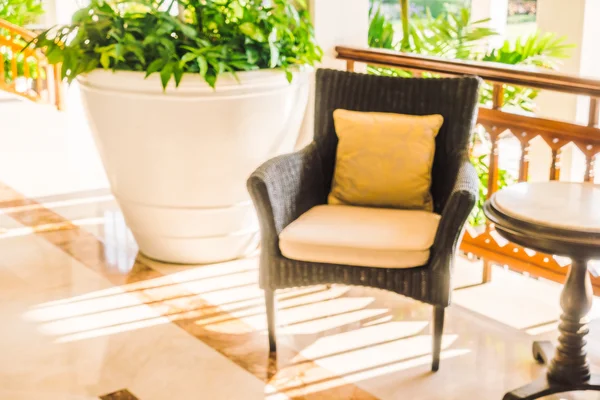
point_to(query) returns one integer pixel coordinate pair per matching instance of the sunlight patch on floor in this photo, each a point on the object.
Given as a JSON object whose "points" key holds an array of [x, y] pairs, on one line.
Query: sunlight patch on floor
{"points": [[26, 230], [303, 319], [361, 362], [344, 342], [386, 353], [70, 202], [512, 299]]}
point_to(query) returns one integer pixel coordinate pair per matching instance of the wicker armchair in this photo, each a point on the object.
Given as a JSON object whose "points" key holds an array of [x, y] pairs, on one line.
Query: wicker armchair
{"points": [[287, 186]]}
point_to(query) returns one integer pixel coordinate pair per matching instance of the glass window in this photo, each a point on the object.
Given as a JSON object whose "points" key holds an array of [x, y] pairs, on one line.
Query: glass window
{"points": [[521, 19], [522, 11], [418, 8]]}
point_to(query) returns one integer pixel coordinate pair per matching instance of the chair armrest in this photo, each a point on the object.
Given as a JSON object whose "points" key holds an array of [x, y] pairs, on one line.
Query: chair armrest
{"points": [[284, 188], [456, 211]]}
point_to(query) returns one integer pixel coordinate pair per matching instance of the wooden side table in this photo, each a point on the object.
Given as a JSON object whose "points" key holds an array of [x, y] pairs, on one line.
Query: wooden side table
{"points": [[563, 219]]}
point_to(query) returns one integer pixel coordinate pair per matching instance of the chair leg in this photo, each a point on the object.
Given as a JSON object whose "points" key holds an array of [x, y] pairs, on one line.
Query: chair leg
{"points": [[438, 330], [270, 303]]}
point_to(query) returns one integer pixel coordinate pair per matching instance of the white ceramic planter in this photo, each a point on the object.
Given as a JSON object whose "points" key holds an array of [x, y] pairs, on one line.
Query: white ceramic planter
{"points": [[178, 160]]}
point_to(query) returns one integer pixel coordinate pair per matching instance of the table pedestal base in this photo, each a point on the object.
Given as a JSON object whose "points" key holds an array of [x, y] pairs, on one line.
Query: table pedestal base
{"points": [[544, 387], [542, 352], [569, 369]]}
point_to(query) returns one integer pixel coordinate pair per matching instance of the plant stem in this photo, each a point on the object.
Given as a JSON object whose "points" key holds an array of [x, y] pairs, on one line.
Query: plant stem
{"points": [[199, 17], [405, 45]]}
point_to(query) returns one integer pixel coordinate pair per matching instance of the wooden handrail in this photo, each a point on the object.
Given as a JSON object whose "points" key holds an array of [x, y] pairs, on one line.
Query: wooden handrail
{"points": [[493, 72], [18, 47], [40, 81], [541, 126], [22, 32]]}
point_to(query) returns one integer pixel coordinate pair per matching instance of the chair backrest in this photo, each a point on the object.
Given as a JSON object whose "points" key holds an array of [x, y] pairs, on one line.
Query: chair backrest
{"points": [[454, 98]]}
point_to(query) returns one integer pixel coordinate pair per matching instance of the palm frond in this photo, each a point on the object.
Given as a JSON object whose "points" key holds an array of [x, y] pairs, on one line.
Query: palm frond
{"points": [[381, 30], [540, 50]]}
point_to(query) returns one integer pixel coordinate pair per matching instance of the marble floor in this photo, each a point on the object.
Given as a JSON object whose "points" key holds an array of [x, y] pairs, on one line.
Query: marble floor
{"points": [[85, 316]]}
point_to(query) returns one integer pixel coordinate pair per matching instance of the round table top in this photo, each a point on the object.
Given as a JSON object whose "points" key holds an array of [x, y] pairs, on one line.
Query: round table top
{"points": [[563, 205]]}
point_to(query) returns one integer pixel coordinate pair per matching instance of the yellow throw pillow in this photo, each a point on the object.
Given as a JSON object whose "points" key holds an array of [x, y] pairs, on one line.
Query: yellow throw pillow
{"points": [[384, 159]]}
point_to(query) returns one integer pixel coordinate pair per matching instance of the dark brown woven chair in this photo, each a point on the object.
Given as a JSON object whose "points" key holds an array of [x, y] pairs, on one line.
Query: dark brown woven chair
{"points": [[287, 186]]}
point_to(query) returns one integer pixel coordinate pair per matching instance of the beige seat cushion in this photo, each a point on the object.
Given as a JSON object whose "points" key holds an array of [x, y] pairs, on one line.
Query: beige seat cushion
{"points": [[384, 159], [370, 237]]}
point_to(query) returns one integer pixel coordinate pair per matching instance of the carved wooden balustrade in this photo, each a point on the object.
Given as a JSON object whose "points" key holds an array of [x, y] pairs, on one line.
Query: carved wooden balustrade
{"points": [[556, 134], [25, 71]]}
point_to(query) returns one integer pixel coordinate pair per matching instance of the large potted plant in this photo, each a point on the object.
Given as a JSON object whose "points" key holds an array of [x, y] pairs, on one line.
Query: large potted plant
{"points": [[183, 107]]}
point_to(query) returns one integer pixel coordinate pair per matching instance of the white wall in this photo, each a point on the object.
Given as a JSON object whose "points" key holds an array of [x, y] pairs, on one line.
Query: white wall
{"points": [[577, 20], [337, 22], [60, 11], [494, 10], [554, 17]]}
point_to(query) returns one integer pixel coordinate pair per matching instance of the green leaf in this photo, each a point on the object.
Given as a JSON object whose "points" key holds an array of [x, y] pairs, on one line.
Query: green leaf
{"points": [[80, 15], [139, 53], [177, 74], [165, 75], [150, 39], [274, 60], [302, 4], [119, 50], [252, 55], [187, 57], [55, 55], [218, 36], [211, 80], [187, 30], [274, 56], [154, 66], [252, 31], [104, 60], [167, 44], [243, 66], [203, 65]]}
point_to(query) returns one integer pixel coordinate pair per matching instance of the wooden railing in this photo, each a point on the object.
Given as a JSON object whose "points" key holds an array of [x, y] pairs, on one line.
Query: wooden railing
{"points": [[556, 134], [25, 71]]}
